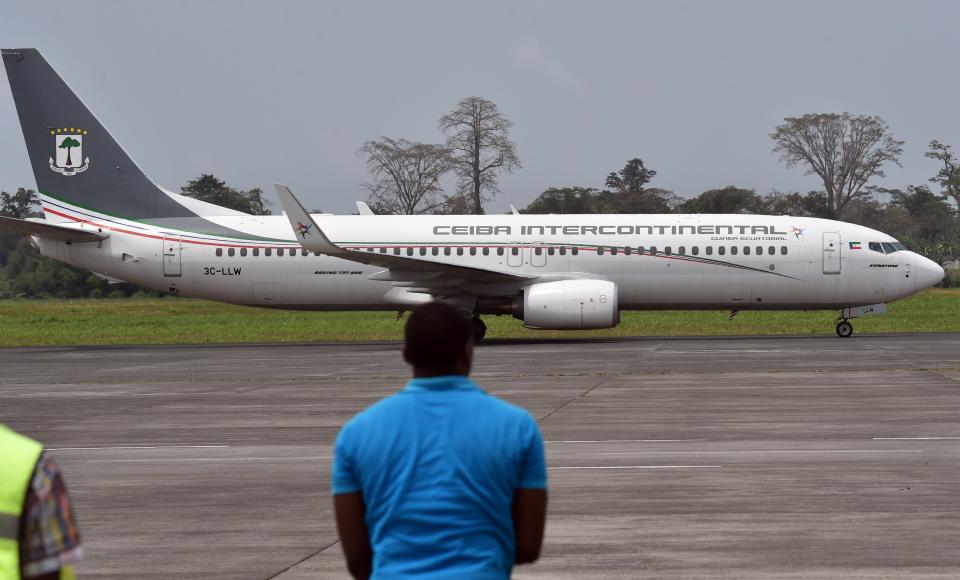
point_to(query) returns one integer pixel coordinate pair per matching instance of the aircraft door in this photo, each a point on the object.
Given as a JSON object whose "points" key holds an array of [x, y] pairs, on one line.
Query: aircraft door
{"points": [[831, 253], [538, 255], [171, 256], [515, 255]]}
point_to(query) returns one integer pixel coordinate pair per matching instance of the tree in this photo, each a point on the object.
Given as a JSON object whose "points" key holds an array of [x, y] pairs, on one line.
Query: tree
{"points": [[730, 199], [631, 178], [21, 204], [212, 190], [478, 140], [566, 200], [949, 175], [406, 175], [69, 143], [844, 150]]}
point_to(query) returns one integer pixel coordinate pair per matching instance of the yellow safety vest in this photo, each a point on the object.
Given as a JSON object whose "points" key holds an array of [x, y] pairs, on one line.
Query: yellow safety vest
{"points": [[18, 458]]}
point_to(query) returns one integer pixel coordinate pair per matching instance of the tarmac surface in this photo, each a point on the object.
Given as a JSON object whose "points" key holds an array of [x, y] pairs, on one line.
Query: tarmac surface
{"points": [[772, 457]]}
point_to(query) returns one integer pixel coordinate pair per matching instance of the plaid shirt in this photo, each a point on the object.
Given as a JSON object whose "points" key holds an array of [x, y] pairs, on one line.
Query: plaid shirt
{"points": [[49, 536]]}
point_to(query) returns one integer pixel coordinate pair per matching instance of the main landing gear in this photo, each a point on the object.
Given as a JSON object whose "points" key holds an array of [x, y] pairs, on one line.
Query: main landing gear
{"points": [[479, 329], [844, 328]]}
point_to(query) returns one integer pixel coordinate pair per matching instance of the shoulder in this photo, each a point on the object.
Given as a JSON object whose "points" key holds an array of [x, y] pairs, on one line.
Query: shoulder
{"points": [[375, 414], [508, 411]]}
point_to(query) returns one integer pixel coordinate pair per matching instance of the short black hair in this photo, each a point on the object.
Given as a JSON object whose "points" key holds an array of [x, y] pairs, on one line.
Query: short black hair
{"points": [[435, 336]]}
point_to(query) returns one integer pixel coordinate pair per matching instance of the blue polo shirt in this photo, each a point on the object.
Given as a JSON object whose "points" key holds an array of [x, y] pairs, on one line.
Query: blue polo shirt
{"points": [[438, 464]]}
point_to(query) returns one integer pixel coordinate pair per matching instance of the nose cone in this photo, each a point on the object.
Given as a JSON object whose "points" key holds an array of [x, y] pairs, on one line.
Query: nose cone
{"points": [[929, 273]]}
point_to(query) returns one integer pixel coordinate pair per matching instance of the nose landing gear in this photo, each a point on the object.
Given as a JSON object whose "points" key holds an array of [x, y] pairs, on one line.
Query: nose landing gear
{"points": [[479, 329], [844, 328]]}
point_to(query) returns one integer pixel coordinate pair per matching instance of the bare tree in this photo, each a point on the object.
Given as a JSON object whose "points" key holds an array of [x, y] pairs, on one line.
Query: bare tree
{"points": [[406, 175], [845, 150], [949, 175], [477, 136]]}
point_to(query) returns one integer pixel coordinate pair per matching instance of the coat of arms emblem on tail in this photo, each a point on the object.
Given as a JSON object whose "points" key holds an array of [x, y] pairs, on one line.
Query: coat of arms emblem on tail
{"points": [[68, 156]]}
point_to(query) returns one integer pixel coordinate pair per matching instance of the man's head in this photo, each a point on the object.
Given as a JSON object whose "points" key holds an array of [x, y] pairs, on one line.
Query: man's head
{"points": [[438, 340]]}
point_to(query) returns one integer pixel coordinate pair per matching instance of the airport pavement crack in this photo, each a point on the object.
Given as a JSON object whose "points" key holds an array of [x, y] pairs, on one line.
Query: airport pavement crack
{"points": [[304, 559], [572, 399]]}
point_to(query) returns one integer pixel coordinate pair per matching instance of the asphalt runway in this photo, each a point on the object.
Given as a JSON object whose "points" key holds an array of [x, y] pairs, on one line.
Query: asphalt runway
{"points": [[773, 457]]}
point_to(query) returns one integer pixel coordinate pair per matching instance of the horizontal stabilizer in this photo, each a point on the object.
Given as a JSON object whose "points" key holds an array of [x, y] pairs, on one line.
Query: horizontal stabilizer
{"points": [[51, 231]]}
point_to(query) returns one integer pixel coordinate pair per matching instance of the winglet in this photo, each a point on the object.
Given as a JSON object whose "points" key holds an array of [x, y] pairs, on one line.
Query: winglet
{"points": [[364, 209], [305, 230], [513, 210]]}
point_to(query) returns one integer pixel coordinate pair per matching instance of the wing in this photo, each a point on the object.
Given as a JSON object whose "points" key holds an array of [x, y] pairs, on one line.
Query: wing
{"points": [[49, 231], [416, 274]]}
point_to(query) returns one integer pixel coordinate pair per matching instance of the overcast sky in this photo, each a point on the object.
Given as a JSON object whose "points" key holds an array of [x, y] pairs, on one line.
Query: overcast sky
{"points": [[258, 92]]}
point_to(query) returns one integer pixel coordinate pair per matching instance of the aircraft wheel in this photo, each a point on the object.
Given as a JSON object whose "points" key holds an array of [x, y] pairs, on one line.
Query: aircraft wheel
{"points": [[479, 329], [844, 328]]}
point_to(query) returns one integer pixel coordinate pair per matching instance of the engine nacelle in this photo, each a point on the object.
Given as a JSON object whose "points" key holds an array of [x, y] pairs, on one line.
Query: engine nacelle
{"points": [[570, 305]]}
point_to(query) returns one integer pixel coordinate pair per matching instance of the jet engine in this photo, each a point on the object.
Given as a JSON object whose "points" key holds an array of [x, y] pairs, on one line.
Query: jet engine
{"points": [[568, 305]]}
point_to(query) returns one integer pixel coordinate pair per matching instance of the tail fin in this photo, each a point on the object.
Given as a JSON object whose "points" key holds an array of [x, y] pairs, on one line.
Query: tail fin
{"points": [[75, 160]]}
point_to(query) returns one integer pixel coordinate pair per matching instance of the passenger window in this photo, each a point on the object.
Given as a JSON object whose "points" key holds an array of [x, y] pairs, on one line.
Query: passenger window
{"points": [[627, 250], [267, 251], [613, 251], [486, 251], [888, 247], [733, 250], [696, 250], [653, 250], [574, 251], [668, 251], [435, 251], [459, 251], [219, 251], [515, 251], [759, 250], [550, 251], [256, 251], [682, 250], [538, 251], [473, 251], [772, 250], [243, 251], [599, 250], [709, 250], [563, 251], [396, 251], [279, 251], [293, 253], [423, 251], [383, 250], [409, 251], [722, 250], [746, 250], [640, 250], [446, 251], [231, 252], [499, 251], [783, 250]]}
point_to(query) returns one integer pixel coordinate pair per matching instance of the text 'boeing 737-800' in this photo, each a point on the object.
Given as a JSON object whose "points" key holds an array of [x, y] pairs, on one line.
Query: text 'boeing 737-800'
{"points": [[101, 213]]}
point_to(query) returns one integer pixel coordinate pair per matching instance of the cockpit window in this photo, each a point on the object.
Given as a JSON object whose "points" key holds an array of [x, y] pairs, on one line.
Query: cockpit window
{"points": [[876, 247], [899, 246], [889, 248]]}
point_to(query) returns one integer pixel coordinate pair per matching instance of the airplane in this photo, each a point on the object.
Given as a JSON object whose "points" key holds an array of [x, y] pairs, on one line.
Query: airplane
{"points": [[101, 213]]}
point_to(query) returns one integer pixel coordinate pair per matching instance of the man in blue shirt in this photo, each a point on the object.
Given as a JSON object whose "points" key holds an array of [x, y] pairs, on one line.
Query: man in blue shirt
{"points": [[440, 480]]}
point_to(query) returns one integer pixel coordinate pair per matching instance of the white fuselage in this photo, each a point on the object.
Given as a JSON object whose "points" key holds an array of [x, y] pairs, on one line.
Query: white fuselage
{"points": [[699, 262]]}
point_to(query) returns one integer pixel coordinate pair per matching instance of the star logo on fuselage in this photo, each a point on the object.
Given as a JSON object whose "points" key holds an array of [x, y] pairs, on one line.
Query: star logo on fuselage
{"points": [[797, 232], [303, 230]]}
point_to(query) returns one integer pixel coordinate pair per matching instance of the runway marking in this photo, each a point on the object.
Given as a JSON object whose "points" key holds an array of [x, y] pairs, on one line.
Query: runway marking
{"points": [[186, 459], [638, 467], [624, 441], [138, 447], [746, 451], [914, 438]]}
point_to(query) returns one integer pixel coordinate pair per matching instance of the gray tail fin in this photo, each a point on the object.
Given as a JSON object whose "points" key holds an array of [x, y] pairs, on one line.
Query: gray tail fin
{"points": [[75, 160]]}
